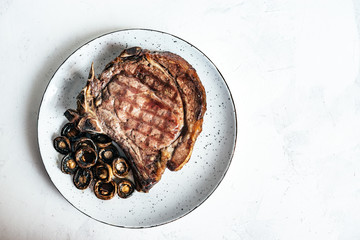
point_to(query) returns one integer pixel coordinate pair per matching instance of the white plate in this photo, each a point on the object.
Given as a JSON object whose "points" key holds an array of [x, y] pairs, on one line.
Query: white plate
{"points": [[178, 193]]}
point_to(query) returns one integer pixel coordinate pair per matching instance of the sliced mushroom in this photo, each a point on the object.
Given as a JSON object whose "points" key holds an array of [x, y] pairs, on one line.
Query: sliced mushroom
{"points": [[108, 154], [82, 178], [130, 52], [120, 167], [71, 115], [101, 140], [70, 131], [125, 188], [86, 157], [62, 145], [103, 172], [105, 190], [84, 142], [68, 164]]}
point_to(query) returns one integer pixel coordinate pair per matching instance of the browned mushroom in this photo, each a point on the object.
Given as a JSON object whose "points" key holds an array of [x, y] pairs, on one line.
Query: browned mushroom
{"points": [[68, 164], [105, 190], [82, 178], [108, 154], [125, 188], [70, 131], [101, 140], [62, 145], [120, 167], [84, 142], [86, 157], [102, 171]]}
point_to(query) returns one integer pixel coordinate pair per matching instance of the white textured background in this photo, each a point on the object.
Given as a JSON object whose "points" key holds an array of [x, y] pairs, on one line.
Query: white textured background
{"points": [[293, 68]]}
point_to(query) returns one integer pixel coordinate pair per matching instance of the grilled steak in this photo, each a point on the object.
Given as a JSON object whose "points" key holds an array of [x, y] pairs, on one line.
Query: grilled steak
{"points": [[151, 104]]}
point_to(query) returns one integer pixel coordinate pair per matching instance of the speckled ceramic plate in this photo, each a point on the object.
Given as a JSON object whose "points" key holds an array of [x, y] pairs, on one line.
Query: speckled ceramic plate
{"points": [[178, 193]]}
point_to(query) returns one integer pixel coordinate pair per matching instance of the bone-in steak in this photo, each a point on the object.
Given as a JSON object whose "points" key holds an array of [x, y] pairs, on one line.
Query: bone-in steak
{"points": [[151, 104]]}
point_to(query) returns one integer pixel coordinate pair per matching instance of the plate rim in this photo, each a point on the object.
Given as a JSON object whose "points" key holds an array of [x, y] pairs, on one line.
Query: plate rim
{"points": [[235, 127]]}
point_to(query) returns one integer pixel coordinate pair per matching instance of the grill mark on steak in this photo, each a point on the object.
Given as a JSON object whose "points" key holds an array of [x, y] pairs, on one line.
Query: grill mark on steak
{"points": [[146, 106], [166, 101], [151, 104], [153, 108], [129, 107]]}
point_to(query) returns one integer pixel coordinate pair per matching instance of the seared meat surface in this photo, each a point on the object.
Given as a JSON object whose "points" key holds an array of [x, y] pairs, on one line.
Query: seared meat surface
{"points": [[151, 104]]}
